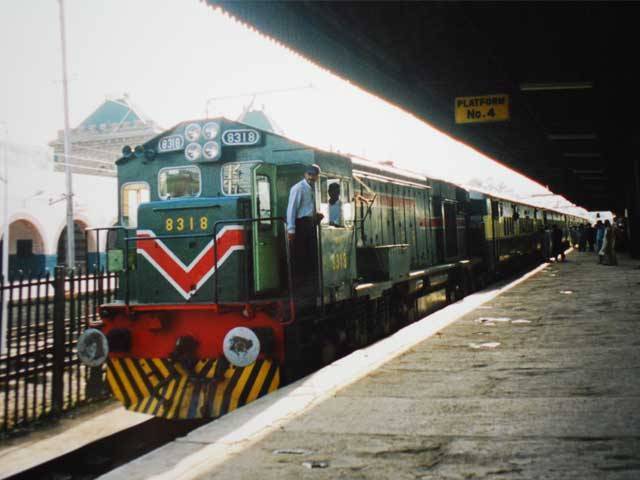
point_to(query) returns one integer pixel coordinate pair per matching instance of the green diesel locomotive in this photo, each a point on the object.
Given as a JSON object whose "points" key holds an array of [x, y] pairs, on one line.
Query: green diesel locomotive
{"points": [[209, 316]]}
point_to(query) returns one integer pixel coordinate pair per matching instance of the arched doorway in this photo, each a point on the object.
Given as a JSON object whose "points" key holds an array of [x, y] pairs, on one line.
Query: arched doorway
{"points": [[26, 250], [80, 243]]}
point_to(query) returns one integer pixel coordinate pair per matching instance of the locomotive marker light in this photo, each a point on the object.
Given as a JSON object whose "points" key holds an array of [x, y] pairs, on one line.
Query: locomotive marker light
{"points": [[210, 130], [211, 150], [241, 346], [193, 152], [138, 152], [192, 132], [93, 347]]}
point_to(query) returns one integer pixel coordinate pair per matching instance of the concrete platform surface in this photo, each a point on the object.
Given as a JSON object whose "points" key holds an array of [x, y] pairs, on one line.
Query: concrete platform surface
{"points": [[69, 433], [541, 382]]}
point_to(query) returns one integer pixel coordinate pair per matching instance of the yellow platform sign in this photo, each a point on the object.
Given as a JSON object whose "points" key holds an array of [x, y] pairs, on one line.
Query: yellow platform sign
{"points": [[484, 108]]}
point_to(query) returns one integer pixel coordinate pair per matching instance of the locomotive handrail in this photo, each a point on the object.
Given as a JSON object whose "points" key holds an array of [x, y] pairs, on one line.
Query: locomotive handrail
{"points": [[215, 253], [86, 251], [287, 255], [146, 238], [98, 230]]}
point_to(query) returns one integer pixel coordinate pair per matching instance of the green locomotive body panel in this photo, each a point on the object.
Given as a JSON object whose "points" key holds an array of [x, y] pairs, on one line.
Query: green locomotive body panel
{"points": [[188, 225], [338, 263], [186, 199], [247, 178]]}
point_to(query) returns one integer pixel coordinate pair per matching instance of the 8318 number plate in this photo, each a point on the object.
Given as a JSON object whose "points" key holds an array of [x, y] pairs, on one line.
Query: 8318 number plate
{"points": [[241, 136]]}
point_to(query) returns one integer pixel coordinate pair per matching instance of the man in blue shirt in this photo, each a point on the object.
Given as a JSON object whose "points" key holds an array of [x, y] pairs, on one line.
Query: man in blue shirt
{"points": [[302, 220]]}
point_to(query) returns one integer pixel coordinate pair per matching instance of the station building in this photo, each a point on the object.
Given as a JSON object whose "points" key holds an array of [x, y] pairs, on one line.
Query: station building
{"points": [[37, 189]]}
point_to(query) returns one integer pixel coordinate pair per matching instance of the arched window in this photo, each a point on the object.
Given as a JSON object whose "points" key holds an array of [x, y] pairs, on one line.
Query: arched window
{"points": [[80, 246]]}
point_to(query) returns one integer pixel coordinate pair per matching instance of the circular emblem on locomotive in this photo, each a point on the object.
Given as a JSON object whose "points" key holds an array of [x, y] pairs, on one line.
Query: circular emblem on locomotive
{"points": [[93, 347], [241, 346]]}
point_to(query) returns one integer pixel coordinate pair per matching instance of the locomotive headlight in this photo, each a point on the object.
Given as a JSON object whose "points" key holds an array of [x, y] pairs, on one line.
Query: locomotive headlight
{"points": [[210, 130], [241, 346], [193, 151], [92, 347], [211, 150], [192, 132]]}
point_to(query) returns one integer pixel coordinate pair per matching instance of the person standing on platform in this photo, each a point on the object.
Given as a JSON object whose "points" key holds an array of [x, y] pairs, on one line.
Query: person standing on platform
{"points": [[556, 240], [591, 237], [606, 254], [613, 258], [573, 235], [605, 243], [600, 229], [582, 237], [545, 236], [302, 221]]}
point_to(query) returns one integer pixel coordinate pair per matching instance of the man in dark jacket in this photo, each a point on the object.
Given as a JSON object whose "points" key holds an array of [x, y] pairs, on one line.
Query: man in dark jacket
{"points": [[582, 237], [591, 237], [558, 247]]}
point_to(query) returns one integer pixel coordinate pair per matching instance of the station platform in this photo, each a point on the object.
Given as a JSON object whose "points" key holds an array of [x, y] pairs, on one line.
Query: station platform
{"points": [[70, 432], [539, 378]]}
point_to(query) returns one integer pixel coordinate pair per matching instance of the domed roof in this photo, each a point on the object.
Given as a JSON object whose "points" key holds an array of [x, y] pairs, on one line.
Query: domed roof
{"points": [[120, 112], [260, 119]]}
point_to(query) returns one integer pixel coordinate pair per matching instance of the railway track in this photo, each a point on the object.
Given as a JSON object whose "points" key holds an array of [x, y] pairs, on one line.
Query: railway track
{"points": [[34, 356], [103, 455]]}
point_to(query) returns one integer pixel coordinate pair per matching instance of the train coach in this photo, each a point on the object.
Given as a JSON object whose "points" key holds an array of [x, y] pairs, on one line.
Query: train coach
{"points": [[208, 316]]}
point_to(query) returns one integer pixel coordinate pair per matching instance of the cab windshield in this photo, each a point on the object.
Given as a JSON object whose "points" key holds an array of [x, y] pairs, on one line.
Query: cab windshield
{"points": [[176, 182]]}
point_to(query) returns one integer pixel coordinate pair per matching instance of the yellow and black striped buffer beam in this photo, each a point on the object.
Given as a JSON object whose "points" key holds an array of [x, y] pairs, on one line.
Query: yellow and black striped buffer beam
{"points": [[164, 388]]}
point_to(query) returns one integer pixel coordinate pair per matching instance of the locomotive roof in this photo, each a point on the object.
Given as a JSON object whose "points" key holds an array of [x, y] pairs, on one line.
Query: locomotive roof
{"points": [[350, 160], [388, 169], [152, 143]]}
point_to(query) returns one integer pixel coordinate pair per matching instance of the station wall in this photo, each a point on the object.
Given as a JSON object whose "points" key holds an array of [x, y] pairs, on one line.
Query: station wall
{"points": [[37, 211]]}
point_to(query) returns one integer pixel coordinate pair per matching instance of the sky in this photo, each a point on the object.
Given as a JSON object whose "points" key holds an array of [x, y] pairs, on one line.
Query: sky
{"points": [[171, 56]]}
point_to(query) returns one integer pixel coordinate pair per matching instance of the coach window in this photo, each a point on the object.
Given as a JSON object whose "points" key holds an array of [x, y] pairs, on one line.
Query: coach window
{"points": [[176, 182], [132, 195]]}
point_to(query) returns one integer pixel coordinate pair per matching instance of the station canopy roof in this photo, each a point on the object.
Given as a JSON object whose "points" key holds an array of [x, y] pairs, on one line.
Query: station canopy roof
{"points": [[567, 69]]}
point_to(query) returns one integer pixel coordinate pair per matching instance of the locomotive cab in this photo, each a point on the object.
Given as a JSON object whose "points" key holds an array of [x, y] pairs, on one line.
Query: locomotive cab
{"points": [[201, 229]]}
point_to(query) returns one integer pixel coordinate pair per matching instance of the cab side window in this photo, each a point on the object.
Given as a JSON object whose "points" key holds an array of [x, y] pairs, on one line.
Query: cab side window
{"points": [[236, 178], [348, 208], [263, 198], [132, 195], [335, 202]]}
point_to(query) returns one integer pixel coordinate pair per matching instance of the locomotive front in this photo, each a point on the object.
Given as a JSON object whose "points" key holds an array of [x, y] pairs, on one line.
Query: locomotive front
{"points": [[198, 326]]}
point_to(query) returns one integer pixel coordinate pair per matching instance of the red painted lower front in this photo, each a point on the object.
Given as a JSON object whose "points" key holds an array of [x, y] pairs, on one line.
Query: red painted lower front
{"points": [[155, 329]]}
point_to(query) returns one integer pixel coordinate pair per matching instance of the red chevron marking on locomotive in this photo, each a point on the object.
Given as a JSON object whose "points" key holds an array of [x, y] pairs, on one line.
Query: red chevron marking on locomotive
{"points": [[188, 279]]}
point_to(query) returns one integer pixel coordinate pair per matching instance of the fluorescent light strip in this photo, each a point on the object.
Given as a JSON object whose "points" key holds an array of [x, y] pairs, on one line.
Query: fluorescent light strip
{"points": [[555, 86]]}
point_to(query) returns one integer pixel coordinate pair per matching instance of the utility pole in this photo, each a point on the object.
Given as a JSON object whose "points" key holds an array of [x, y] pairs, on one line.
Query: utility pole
{"points": [[5, 241], [71, 256]]}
